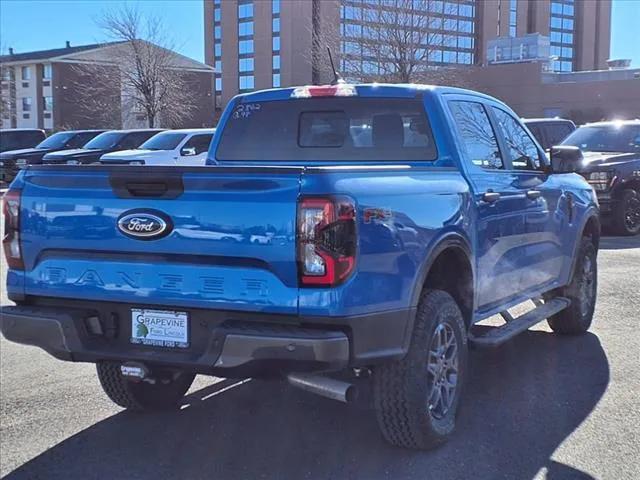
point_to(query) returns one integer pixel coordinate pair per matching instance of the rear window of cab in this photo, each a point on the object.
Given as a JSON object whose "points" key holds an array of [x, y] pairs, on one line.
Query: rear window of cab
{"points": [[328, 129]]}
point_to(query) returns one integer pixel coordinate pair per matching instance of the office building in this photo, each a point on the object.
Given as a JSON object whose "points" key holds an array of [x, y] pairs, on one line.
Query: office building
{"points": [[257, 44]]}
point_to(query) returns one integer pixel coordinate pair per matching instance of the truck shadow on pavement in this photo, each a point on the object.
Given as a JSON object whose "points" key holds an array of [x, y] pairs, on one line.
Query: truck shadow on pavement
{"points": [[523, 400]]}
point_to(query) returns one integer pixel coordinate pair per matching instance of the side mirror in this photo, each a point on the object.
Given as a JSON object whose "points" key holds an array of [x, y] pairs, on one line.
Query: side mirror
{"points": [[188, 151], [566, 159]]}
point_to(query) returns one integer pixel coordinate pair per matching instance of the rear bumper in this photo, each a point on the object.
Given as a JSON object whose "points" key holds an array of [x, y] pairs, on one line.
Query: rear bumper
{"points": [[221, 343]]}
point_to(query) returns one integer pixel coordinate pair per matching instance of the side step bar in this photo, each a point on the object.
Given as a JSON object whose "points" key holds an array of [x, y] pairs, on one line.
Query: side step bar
{"points": [[499, 335]]}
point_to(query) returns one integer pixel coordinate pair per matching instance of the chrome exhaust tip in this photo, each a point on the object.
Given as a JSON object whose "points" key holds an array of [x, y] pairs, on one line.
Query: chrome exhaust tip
{"points": [[324, 386]]}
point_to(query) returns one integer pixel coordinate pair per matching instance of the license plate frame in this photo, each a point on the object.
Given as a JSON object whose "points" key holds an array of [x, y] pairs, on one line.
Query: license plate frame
{"points": [[159, 328]]}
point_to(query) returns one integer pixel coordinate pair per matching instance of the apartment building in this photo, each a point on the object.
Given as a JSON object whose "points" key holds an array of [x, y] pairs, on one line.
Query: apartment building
{"points": [[257, 44], [42, 89]]}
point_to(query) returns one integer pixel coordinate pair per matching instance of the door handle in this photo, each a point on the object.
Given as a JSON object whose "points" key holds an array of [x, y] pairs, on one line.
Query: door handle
{"points": [[533, 194], [491, 197]]}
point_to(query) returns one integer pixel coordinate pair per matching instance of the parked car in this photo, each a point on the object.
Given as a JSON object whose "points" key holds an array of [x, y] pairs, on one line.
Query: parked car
{"points": [[15, 138], [381, 256], [106, 142], [13, 160], [549, 131], [612, 167], [173, 147]]}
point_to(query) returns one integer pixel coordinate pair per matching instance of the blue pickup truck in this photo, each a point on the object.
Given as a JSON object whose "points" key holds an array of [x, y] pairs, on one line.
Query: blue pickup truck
{"points": [[343, 228]]}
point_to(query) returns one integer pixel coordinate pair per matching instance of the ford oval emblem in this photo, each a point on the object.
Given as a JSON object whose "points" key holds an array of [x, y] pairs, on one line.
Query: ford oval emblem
{"points": [[143, 225]]}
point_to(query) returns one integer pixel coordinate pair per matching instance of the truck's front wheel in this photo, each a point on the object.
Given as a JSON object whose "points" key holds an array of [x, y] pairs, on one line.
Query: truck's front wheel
{"points": [[165, 393], [417, 397], [582, 291]]}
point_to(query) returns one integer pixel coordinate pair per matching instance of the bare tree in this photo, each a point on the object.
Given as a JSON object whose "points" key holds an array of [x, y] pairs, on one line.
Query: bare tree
{"points": [[7, 93], [140, 60], [395, 41]]}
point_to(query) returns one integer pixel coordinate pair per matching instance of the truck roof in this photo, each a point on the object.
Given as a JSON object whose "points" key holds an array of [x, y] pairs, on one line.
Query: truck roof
{"points": [[399, 90]]}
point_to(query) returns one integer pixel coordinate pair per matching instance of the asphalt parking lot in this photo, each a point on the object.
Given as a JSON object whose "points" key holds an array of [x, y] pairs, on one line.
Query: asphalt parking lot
{"points": [[542, 406]]}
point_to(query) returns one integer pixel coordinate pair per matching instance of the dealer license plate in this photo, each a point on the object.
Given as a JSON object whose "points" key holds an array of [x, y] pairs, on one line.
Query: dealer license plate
{"points": [[159, 328]]}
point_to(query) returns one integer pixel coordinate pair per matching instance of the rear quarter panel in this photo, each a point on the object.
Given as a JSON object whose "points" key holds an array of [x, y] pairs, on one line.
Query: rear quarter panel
{"points": [[415, 207]]}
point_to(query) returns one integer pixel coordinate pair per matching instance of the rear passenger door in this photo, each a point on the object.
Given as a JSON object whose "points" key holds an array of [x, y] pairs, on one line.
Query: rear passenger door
{"points": [[500, 205], [545, 204]]}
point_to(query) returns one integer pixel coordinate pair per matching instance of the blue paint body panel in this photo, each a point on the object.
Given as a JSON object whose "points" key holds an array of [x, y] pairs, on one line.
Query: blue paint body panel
{"points": [[232, 246]]}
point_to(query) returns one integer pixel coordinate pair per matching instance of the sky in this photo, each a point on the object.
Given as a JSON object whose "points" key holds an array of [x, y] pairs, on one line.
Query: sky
{"points": [[28, 25]]}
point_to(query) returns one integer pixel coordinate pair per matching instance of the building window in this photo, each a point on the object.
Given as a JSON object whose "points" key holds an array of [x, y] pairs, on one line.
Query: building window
{"points": [[276, 79], [46, 72], [276, 44], [26, 104], [276, 62], [217, 37], [562, 24], [245, 29], [513, 17], [275, 7], [245, 65], [218, 84], [48, 104], [246, 82], [245, 10], [275, 25], [449, 24], [26, 73], [245, 47]]}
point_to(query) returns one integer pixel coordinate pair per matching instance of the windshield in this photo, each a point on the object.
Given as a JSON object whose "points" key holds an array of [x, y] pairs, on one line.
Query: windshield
{"points": [[163, 141], [57, 140], [606, 138], [105, 140], [328, 129]]}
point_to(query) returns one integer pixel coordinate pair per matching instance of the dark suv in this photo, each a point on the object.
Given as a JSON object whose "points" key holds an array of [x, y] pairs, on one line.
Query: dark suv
{"points": [[549, 131], [612, 167], [14, 138], [106, 142], [13, 160]]}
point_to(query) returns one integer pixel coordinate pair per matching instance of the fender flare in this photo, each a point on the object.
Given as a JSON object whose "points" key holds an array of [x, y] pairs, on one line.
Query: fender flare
{"points": [[592, 213], [451, 239]]}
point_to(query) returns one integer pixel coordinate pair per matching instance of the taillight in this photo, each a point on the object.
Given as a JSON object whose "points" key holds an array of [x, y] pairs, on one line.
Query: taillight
{"points": [[326, 240], [11, 239]]}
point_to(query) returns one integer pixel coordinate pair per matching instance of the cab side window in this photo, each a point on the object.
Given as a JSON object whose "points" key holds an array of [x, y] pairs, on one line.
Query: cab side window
{"points": [[199, 142], [477, 134], [522, 150]]}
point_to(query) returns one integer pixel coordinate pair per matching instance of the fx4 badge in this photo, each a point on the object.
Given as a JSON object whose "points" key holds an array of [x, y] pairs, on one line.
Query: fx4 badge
{"points": [[144, 224]]}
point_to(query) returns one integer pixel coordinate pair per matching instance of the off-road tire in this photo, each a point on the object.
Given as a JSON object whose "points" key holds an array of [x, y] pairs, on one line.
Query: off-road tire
{"points": [[401, 389], [577, 318], [165, 394], [619, 222]]}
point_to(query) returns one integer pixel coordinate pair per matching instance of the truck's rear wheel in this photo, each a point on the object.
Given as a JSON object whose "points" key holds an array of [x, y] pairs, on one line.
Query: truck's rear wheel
{"points": [[626, 214], [417, 397], [582, 291], [165, 393]]}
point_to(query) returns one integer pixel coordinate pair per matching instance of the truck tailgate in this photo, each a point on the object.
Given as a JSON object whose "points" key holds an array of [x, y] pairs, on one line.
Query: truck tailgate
{"points": [[229, 240]]}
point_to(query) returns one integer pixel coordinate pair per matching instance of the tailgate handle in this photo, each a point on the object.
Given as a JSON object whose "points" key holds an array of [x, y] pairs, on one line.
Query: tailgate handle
{"points": [[160, 186], [147, 189]]}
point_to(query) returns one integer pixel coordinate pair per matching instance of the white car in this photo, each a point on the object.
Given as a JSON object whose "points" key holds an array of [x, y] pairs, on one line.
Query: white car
{"points": [[171, 147]]}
